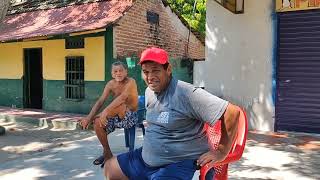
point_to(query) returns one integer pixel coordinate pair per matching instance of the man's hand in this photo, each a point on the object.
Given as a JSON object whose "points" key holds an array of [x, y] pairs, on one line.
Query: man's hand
{"points": [[103, 120], [211, 157], [84, 123]]}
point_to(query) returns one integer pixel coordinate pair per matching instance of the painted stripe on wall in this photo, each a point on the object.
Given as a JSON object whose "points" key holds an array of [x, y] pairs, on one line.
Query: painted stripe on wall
{"points": [[11, 92]]}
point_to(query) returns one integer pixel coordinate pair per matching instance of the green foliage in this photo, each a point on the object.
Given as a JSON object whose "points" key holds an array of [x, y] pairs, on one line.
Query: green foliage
{"points": [[196, 19]]}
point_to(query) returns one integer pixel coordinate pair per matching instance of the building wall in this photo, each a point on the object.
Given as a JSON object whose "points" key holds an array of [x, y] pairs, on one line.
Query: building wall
{"points": [[133, 33], [54, 53], [239, 59]]}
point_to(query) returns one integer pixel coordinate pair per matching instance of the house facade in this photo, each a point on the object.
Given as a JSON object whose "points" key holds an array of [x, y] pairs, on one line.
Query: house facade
{"points": [[267, 60], [58, 56]]}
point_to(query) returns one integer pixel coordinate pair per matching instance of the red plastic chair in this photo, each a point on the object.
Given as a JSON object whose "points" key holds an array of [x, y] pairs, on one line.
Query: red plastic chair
{"points": [[214, 134]]}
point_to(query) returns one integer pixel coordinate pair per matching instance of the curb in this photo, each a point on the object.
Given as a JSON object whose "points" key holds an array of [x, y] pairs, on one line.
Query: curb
{"points": [[67, 123]]}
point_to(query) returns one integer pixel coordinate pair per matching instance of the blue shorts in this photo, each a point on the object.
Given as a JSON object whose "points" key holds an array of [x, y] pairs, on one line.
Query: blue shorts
{"points": [[129, 120], [133, 166]]}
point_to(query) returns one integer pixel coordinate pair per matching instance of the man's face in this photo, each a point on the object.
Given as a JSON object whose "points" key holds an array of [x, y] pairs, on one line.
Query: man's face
{"points": [[155, 76], [119, 73]]}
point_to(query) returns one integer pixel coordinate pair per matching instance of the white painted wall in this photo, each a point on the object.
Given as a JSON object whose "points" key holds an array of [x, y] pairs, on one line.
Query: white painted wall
{"points": [[238, 65]]}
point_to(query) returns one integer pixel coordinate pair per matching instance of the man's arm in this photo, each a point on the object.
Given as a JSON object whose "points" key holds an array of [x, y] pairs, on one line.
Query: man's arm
{"points": [[229, 128], [95, 109]]}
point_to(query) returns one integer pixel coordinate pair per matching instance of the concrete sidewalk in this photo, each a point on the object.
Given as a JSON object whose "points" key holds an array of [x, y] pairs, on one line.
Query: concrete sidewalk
{"points": [[41, 145], [40, 118], [279, 156]]}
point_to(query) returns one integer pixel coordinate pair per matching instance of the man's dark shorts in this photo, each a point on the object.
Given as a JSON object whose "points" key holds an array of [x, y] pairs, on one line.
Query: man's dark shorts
{"points": [[133, 166], [129, 120]]}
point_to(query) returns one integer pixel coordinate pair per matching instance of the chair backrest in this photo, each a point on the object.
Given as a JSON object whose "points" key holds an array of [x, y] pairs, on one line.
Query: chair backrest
{"points": [[141, 109], [141, 101], [214, 135]]}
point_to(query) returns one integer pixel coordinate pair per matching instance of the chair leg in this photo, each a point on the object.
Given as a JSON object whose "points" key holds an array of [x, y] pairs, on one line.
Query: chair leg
{"points": [[143, 130], [132, 137], [223, 174], [126, 137]]}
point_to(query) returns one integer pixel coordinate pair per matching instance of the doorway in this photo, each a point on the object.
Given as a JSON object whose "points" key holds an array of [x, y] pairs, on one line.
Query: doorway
{"points": [[32, 79]]}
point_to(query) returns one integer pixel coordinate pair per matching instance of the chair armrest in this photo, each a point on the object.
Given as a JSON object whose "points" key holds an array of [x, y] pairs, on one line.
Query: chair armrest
{"points": [[232, 157]]}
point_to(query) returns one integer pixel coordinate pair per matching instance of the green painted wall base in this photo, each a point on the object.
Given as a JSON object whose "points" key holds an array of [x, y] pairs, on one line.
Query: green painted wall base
{"points": [[54, 97], [11, 92], [182, 69]]}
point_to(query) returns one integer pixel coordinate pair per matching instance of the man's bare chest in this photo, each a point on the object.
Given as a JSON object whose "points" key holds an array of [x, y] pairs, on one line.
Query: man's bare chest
{"points": [[117, 90]]}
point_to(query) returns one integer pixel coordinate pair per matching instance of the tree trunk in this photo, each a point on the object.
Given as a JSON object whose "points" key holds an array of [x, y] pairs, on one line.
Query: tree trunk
{"points": [[4, 5]]}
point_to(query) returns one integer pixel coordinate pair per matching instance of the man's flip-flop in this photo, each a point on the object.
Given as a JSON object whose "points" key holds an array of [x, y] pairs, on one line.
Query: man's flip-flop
{"points": [[99, 160]]}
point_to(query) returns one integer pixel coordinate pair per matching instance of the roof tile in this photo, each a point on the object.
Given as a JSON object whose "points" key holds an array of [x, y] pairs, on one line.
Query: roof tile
{"points": [[76, 18]]}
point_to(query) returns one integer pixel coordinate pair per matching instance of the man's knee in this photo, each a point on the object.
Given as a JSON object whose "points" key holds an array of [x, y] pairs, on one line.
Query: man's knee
{"points": [[96, 123], [112, 169]]}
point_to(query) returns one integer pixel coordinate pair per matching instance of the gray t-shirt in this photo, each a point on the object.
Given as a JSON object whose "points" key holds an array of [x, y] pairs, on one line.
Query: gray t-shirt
{"points": [[175, 120]]}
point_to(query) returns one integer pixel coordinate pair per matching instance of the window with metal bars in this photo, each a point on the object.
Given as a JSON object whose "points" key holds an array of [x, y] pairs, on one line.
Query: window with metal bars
{"points": [[74, 84]]}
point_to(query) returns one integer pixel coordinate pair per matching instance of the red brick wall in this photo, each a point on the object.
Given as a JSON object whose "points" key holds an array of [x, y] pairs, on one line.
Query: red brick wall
{"points": [[133, 33]]}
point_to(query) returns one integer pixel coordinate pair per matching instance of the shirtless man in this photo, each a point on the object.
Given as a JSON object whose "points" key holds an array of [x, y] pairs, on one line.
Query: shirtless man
{"points": [[120, 113]]}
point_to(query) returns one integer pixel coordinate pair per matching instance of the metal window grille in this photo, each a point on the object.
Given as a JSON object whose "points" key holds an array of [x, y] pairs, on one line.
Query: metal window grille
{"points": [[74, 84], [74, 43]]}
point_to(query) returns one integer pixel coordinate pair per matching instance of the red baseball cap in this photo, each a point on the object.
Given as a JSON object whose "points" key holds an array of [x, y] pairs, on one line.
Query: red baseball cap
{"points": [[154, 54]]}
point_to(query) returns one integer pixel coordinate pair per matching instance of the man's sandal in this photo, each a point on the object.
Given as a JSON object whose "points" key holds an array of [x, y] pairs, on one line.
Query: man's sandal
{"points": [[99, 160]]}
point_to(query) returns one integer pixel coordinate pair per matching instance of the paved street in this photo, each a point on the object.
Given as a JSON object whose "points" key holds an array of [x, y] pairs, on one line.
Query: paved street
{"points": [[32, 149], [56, 155]]}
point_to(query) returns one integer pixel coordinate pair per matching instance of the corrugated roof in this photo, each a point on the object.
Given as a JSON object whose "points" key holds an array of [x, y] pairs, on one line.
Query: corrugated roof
{"points": [[70, 19]]}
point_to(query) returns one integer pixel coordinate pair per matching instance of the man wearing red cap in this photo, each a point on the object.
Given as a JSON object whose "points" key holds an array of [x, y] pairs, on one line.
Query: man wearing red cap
{"points": [[174, 144]]}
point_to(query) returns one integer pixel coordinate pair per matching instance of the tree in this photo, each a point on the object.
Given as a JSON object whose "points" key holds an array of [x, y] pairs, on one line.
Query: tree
{"points": [[4, 5], [196, 18]]}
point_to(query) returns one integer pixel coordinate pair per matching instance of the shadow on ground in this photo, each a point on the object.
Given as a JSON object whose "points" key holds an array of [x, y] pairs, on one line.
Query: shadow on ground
{"points": [[33, 152], [279, 156], [71, 159]]}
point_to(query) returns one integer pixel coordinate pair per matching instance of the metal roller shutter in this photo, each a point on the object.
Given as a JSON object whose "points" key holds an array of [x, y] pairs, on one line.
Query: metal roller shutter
{"points": [[298, 72]]}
